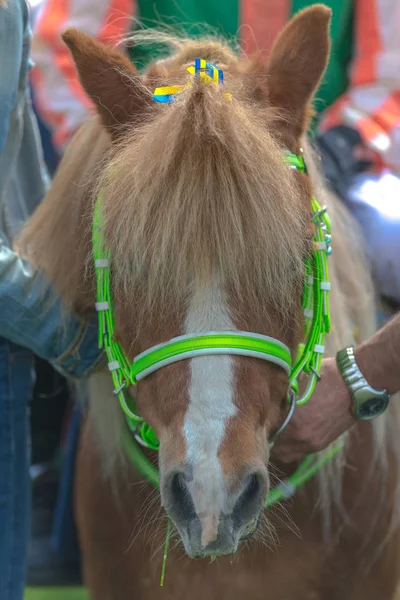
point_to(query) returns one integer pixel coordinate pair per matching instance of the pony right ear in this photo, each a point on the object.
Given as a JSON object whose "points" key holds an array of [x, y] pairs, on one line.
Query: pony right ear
{"points": [[109, 79], [297, 63]]}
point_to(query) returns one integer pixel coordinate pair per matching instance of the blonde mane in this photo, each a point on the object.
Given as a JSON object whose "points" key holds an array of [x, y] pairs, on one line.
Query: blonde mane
{"points": [[203, 187]]}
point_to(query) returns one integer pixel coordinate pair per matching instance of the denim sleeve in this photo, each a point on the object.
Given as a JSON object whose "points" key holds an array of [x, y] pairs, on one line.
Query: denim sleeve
{"points": [[30, 314], [31, 317]]}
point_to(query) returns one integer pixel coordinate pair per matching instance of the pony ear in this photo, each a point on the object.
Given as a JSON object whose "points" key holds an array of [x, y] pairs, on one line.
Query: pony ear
{"points": [[109, 79], [297, 62]]}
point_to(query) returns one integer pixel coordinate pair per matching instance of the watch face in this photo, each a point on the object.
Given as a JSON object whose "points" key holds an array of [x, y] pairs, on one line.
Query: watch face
{"points": [[373, 407]]}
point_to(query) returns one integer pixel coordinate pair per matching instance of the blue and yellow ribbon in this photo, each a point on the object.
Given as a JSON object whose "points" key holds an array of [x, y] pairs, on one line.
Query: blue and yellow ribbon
{"points": [[168, 93], [201, 71]]}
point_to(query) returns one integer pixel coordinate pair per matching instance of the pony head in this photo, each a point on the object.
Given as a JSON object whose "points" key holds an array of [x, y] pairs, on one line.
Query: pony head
{"points": [[208, 230]]}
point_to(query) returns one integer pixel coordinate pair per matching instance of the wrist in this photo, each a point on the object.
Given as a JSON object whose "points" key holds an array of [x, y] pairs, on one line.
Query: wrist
{"points": [[332, 383], [378, 363], [368, 402], [369, 367], [379, 357]]}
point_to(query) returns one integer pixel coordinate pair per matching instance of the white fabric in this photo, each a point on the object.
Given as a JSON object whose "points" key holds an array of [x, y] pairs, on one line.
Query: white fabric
{"points": [[375, 201]]}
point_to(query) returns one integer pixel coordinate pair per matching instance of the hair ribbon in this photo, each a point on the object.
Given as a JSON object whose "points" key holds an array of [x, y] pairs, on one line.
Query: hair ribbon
{"points": [[201, 71]]}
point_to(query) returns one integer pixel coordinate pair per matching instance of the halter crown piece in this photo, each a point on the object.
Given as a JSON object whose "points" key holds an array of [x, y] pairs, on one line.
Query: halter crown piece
{"points": [[315, 303]]}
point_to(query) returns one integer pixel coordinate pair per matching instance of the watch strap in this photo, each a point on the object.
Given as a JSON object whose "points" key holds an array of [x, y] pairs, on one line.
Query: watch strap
{"points": [[368, 402]]}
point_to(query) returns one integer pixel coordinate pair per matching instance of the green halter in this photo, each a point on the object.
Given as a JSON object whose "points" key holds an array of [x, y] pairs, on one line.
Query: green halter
{"points": [[315, 303]]}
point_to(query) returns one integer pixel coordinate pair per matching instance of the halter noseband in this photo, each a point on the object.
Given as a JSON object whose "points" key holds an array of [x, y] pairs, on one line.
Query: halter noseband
{"points": [[213, 342]]}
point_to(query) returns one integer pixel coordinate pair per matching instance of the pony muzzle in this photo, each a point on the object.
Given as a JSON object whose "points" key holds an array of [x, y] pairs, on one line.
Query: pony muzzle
{"points": [[213, 520]]}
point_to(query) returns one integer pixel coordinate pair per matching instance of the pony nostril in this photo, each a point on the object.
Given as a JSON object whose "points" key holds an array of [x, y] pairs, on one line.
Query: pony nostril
{"points": [[178, 486], [250, 500], [180, 504], [251, 490]]}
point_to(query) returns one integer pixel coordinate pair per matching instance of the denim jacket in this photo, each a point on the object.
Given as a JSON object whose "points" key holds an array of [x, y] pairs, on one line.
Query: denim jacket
{"points": [[26, 317]]}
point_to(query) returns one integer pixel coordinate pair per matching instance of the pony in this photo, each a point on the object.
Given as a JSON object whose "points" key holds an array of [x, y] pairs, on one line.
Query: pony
{"points": [[209, 229]]}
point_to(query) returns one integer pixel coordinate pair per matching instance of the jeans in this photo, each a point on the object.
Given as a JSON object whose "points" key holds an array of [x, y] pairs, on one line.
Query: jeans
{"points": [[16, 383]]}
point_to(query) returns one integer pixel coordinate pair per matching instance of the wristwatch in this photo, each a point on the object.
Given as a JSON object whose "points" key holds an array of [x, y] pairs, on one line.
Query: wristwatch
{"points": [[368, 403]]}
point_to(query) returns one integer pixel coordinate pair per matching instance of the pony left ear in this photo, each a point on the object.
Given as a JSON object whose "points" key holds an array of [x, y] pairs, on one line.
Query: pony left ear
{"points": [[109, 79], [297, 62]]}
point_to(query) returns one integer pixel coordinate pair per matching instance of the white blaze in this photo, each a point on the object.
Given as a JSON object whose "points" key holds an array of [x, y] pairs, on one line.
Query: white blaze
{"points": [[210, 407]]}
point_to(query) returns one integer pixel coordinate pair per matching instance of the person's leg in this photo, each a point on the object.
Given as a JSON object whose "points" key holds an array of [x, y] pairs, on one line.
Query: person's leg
{"points": [[16, 380]]}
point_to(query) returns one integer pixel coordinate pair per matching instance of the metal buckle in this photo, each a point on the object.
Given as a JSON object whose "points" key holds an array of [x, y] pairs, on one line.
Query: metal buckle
{"points": [[121, 387], [140, 440], [317, 216], [317, 375], [287, 419]]}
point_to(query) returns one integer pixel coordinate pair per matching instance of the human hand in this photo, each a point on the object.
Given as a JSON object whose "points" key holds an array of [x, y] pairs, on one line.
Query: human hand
{"points": [[316, 424]]}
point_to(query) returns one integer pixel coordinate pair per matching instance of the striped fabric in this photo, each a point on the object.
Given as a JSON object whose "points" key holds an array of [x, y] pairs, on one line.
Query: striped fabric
{"points": [[261, 21], [58, 94], [371, 103]]}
